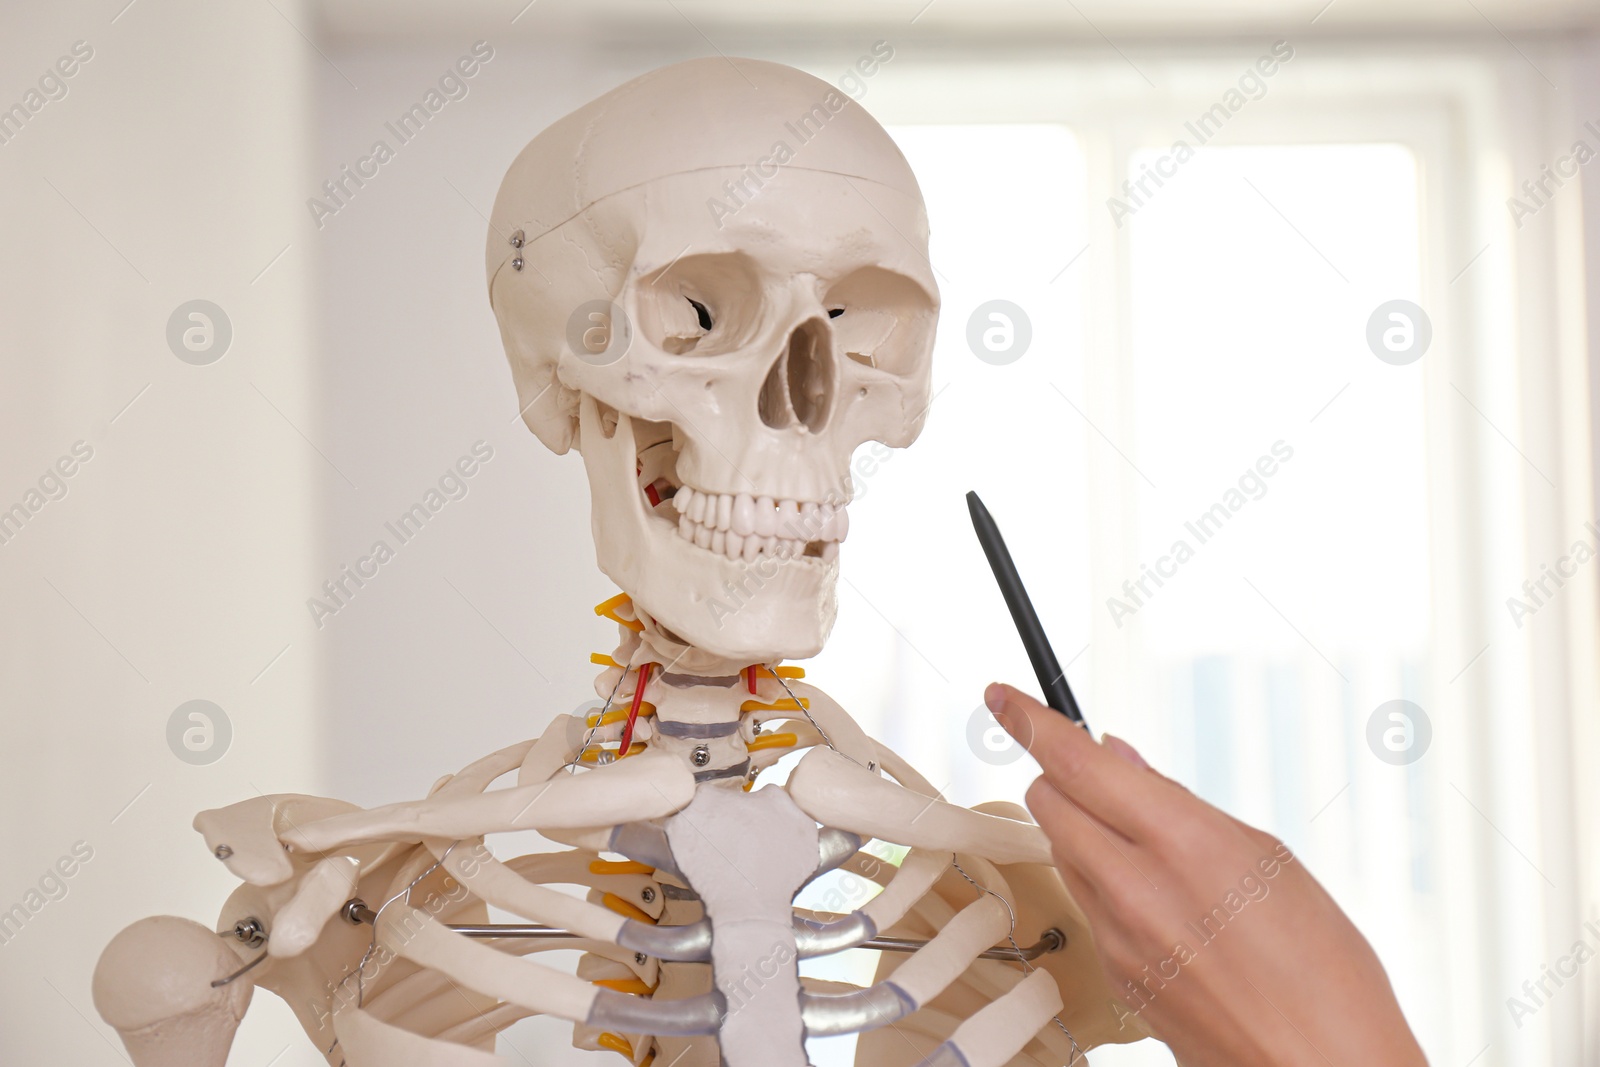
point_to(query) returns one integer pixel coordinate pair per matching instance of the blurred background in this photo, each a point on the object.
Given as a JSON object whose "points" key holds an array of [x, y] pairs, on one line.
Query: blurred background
{"points": [[1343, 308]]}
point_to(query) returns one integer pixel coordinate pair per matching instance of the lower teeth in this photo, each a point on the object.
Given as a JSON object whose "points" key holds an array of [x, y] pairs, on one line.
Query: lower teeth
{"points": [[724, 542]]}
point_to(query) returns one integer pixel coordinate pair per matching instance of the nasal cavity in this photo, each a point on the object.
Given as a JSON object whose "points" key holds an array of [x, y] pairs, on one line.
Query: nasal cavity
{"points": [[799, 387]]}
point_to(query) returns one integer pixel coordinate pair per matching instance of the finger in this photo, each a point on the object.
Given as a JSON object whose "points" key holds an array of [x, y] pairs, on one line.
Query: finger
{"points": [[1172, 781], [1133, 756], [1095, 853], [1128, 752], [1125, 750], [1115, 791]]}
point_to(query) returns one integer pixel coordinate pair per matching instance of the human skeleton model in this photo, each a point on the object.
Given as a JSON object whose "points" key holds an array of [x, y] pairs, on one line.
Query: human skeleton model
{"points": [[716, 337]]}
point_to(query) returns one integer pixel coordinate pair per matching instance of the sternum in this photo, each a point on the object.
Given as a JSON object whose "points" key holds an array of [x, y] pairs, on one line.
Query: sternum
{"points": [[747, 855]]}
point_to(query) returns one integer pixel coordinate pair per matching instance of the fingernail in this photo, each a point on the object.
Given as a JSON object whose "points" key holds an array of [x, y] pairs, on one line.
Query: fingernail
{"points": [[1125, 750], [995, 697]]}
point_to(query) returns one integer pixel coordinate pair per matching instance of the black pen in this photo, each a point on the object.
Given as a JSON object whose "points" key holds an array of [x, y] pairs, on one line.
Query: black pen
{"points": [[1052, 679]]}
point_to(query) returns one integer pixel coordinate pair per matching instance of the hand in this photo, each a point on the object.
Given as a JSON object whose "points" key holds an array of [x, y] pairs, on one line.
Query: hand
{"points": [[1213, 932]]}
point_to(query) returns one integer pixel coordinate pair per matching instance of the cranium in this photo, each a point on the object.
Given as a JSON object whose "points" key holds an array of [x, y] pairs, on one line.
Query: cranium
{"points": [[714, 282]]}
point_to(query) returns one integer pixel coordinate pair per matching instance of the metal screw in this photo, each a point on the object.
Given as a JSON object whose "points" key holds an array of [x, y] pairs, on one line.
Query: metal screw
{"points": [[639, 958], [516, 264], [700, 756], [250, 931], [647, 894], [222, 852], [517, 239], [352, 910]]}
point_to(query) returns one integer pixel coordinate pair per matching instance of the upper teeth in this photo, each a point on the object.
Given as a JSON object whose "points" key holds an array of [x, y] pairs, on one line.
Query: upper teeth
{"points": [[742, 526]]}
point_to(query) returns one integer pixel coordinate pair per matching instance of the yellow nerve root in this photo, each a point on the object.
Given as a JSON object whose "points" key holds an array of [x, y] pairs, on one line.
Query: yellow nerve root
{"points": [[761, 741], [592, 755], [635, 986], [616, 1043], [646, 709], [619, 867], [777, 705], [622, 907], [610, 610]]}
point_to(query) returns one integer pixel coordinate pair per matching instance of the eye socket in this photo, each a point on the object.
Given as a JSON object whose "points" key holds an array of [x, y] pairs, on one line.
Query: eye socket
{"points": [[704, 305], [891, 319]]}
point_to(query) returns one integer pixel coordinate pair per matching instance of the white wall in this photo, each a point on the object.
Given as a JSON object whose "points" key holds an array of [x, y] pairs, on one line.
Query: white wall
{"points": [[484, 617], [168, 172]]}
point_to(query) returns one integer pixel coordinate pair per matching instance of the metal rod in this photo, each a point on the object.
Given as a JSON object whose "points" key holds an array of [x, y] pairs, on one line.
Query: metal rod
{"points": [[1052, 940]]}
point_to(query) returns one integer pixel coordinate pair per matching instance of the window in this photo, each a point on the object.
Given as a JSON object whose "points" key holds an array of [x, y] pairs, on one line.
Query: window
{"points": [[1202, 374]]}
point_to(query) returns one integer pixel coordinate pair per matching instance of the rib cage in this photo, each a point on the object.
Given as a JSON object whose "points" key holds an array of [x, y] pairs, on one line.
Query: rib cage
{"points": [[419, 992], [431, 1013]]}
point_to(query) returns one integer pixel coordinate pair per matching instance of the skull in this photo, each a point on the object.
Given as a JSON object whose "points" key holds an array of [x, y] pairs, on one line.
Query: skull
{"points": [[713, 280]]}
